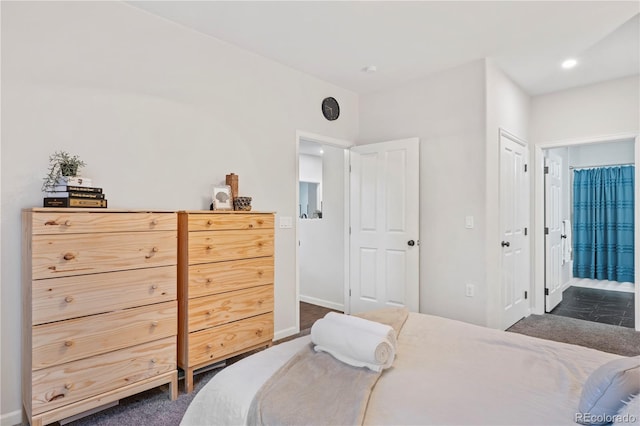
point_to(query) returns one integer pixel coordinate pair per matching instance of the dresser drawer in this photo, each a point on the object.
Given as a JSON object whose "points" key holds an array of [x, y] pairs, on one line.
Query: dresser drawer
{"points": [[222, 308], [60, 222], [62, 298], [229, 221], [219, 342], [220, 277], [65, 341], [216, 246], [57, 386], [79, 254]]}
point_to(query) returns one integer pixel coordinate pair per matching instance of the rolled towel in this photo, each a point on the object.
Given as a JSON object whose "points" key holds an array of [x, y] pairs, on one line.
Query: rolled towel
{"points": [[376, 328], [352, 345]]}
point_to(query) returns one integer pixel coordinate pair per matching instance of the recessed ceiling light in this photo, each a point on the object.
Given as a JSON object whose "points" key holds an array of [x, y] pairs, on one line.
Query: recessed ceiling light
{"points": [[569, 63], [370, 69]]}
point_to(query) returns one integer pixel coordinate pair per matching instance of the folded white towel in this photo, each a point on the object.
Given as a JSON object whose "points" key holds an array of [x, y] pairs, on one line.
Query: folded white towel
{"points": [[376, 328], [352, 345]]}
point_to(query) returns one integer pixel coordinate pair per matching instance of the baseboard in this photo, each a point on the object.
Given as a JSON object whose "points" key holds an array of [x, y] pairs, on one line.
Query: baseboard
{"points": [[11, 419], [323, 303], [278, 335]]}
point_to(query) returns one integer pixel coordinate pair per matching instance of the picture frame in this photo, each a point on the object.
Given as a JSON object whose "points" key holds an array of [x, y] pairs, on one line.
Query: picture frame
{"points": [[222, 199]]}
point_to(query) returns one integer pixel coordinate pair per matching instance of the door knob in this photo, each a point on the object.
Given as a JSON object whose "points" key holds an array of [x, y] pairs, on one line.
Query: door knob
{"points": [[563, 236], [411, 243], [505, 244]]}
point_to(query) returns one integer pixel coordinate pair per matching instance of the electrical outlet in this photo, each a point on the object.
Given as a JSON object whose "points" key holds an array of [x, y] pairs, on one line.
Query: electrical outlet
{"points": [[469, 290]]}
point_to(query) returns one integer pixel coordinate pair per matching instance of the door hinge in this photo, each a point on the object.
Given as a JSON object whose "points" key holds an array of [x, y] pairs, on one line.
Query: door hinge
{"points": [[546, 291], [525, 168], [526, 294], [349, 292], [546, 231], [525, 231], [546, 170], [349, 230], [349, 168]]}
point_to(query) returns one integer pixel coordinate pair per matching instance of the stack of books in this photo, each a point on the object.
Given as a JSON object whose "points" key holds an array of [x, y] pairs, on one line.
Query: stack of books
{"points": [[74, 191]]}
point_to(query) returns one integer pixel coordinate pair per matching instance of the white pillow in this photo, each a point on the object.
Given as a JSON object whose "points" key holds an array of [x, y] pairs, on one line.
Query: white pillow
{"points": [[607, 389], [629, 415]]}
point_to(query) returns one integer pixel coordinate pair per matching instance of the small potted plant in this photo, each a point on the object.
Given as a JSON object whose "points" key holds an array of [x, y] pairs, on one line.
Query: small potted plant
{"points": [[61, 163]]}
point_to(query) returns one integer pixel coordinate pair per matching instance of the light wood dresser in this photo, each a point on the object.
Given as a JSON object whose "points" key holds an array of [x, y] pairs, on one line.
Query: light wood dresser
{"points": [[100, 308], [225, 286]]}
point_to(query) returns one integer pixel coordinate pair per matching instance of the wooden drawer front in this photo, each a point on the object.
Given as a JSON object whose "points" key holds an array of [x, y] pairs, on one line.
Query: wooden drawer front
{"points": [[76, 254], [57, 386], [218, 342], [65, 341], [220, 277], [205, 247], [222, 308], [58, 222], [62, 298], [229, 221]]}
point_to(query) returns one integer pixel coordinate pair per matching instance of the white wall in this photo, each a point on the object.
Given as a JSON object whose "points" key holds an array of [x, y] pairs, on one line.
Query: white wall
{"points": [[321, 251], [507, 108], [599, 154], [447, 112], [587, 112], [159, 113]]}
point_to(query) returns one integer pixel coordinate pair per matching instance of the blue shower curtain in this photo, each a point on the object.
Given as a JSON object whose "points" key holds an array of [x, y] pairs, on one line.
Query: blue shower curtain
{"points": [[603, 237]]}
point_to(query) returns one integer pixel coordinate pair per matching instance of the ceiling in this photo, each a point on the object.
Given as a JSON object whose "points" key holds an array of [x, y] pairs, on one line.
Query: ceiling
{"points": [[335, 40]]}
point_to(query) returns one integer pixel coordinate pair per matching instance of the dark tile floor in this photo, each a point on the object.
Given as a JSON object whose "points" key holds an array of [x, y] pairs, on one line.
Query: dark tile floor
{"points": [[604, 306]]}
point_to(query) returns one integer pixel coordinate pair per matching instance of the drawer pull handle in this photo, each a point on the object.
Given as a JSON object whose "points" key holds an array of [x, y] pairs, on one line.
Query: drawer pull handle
{"points": [[153, 250], [68, 343], [154, 221], [153, 361], [260, 273], [208, 313], [68, 256], [68, 299], [260, 302], [209, 280], [260, 244], [209, 346], [251, 225], [67, 223], [68, 386], [260, 222], [259, 332], [154, 286], [209, 247], [154, 323], [209, 222]]}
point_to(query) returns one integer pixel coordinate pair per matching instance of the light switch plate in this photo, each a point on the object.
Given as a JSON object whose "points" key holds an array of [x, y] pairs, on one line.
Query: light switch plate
{"points": [[286, 222], [468, 222]]}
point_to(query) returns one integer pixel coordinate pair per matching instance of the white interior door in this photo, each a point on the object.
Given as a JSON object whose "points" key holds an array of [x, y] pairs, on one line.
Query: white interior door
{"points": [[385, 212], [514, 220], [553, 231]]}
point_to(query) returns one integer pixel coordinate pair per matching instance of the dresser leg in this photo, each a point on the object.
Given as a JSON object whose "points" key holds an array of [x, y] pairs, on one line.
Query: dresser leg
{"points": [[173, 387], [188, 380], [36, 421]]}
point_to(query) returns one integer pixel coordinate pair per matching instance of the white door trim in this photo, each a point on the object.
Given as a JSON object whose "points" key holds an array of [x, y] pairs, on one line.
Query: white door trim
{"points": [[538, 211], [338, 143]]}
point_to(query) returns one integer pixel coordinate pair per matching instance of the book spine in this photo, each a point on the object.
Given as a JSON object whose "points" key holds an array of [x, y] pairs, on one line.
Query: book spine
{"points": [[73, 202], [70, 194], [71, 188], [74, 181]]}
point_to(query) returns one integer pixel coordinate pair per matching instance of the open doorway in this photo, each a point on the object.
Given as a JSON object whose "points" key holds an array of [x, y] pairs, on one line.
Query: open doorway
{"points": [[589, 247], [322, 227]]}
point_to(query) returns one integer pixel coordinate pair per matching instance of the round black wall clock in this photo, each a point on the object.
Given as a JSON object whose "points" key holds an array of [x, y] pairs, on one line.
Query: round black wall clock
{"points": [[330, 108]]}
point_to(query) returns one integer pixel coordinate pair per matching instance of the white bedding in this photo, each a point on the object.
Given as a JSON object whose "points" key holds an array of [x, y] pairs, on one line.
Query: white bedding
{"points": [[446, 372]]}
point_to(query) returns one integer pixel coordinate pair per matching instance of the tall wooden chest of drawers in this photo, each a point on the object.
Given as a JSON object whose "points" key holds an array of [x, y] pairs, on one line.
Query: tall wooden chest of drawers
{"points": [[99, 308], [225, 286]]}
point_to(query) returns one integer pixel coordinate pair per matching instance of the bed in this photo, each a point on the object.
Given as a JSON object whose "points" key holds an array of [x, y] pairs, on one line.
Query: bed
{"points": [[445, 372]]}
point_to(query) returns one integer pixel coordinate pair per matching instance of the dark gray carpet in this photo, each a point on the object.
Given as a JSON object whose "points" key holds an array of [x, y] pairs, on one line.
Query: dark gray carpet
{"points": [[154, 408], [604, 337]]}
